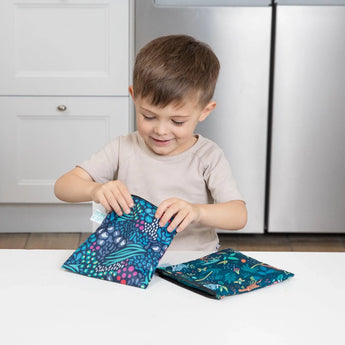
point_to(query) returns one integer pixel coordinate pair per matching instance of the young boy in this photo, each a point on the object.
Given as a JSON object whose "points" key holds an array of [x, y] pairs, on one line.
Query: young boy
{"points": [[164, 162]]}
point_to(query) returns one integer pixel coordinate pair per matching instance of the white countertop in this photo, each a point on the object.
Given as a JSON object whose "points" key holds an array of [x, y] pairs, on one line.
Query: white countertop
{"points": [[40, 303]]}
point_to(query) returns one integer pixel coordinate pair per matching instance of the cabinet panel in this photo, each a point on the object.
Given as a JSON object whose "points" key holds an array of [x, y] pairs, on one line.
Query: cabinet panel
{"points": [[307, 190], [70, 47], [39, 142]]}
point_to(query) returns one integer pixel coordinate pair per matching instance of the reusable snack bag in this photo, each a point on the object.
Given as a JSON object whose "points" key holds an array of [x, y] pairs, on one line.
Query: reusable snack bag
{"points": [[124, 249], [223, 273]]}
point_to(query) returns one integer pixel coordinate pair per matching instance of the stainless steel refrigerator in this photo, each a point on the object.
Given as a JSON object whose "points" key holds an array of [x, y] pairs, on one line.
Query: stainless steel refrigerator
{"points": [[307, 165], [240, 36], [281, 101]]}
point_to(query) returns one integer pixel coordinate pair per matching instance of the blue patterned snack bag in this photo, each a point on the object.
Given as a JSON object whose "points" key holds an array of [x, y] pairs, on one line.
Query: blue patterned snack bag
{"points": [[223, 273], [124, 249]]}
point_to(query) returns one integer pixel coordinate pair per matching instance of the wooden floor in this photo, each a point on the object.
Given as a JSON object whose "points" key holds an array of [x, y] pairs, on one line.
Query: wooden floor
{"points": [[285, 243], [266, 242]]}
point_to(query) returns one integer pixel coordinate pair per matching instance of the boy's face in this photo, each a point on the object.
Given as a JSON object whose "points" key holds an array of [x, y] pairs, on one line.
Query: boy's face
{"points": [[170, 130]]}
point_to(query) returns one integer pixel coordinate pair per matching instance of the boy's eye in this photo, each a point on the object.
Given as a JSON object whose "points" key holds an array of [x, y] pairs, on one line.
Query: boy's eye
{"points": [[146, 117], [177, 123]]}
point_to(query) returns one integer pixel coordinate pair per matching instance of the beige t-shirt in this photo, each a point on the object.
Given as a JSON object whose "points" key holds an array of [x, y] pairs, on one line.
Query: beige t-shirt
{"points": [[199, 175]]}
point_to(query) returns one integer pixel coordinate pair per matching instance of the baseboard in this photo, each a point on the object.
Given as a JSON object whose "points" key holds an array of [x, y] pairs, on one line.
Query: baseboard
{"points": [[45, 217]]}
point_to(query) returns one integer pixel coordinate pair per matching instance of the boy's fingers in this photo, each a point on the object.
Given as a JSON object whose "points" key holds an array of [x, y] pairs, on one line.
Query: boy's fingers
{"points": [[130, 201], [175, 223], [175, 214], [121, 202], [159, 211], [126, 195], [115, 196], [103, 201], [114, 205], [186, 221], [178, 220], [162, 208], [167, 215]]}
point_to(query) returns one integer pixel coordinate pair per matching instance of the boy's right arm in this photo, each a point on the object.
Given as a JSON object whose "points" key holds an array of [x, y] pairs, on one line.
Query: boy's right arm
{"points": [[78, 186]]}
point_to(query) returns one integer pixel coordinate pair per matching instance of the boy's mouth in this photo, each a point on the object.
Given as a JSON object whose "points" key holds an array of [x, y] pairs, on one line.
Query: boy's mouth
{"points": [[161, 141]]}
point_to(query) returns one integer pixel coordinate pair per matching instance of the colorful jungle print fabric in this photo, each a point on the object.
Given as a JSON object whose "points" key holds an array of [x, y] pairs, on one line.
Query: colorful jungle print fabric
{"points": [[124, 249], [223, 273]]}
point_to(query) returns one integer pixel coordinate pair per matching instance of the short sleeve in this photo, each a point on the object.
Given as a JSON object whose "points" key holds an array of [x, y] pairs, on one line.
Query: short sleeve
{"points": [[219, 179], [103, 165]]}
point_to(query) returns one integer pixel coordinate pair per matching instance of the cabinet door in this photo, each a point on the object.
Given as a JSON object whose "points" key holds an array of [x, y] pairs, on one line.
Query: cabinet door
{"points": [[307, 190], [71, 47], [39, 142]]}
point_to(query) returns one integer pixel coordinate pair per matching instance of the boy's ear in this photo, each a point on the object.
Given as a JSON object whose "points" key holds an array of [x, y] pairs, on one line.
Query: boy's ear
{"points": [[207, 110], [131, 91]]}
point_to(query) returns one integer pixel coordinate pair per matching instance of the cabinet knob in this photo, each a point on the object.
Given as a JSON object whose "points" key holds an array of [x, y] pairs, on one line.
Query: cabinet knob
{"points": [[61, 107]]}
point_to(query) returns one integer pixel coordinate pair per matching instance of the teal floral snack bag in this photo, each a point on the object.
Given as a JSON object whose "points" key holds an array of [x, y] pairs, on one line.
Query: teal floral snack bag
{"points": [[223, 273], [124, 249]]}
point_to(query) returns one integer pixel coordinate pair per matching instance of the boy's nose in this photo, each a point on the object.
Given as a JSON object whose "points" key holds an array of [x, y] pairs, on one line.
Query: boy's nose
{"points": [[160, 129]]}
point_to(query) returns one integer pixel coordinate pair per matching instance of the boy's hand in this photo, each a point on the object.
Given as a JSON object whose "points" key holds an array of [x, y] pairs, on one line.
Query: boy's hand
{"points": [[184, 214], [113, 195]]}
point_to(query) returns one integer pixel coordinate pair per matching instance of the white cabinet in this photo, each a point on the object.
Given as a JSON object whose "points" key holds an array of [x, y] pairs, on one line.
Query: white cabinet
{"points": [[39, 142], [70, 47], [64, 76]]}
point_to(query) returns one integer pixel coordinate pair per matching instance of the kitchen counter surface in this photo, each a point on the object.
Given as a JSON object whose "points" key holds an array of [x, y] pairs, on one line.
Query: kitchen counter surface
{"points": [[44, 304]]}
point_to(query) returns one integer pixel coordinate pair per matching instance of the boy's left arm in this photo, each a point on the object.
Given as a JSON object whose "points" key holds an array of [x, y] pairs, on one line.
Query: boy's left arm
{"points": [[231, 215]]}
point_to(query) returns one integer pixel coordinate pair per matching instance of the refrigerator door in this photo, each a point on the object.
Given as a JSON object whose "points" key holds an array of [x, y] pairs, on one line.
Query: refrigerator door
{"points": [[307, 189], [240, 37], [310, 2], [211, 3]]}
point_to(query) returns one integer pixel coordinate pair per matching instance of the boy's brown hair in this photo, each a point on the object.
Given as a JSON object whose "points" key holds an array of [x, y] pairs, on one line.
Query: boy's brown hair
{"points": [[171, 68]]}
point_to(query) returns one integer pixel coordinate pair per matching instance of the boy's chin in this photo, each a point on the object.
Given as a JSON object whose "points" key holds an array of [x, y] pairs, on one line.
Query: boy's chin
{"points": [[163, 151], [162, 148]]}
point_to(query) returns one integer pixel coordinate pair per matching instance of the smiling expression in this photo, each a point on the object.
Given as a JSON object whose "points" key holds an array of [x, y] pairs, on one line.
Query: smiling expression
{"points": [[169, 130]]}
